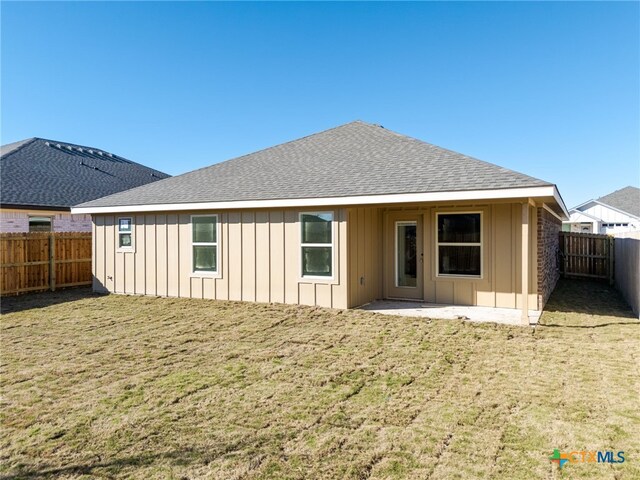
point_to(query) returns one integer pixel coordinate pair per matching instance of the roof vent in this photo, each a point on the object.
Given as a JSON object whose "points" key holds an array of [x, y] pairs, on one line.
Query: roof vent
{"points": [[58, 145], [100, 153], [80, 149], [69, 147], [46, 143]]}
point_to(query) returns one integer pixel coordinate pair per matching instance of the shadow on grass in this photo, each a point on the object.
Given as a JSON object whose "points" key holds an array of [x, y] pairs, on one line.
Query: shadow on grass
{"points": [[177, 458], [45, 299], [589, 299]]}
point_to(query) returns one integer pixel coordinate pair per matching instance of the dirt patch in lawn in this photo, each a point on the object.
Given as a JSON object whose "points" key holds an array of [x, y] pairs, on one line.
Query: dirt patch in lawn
{"points": [[139, 387]]}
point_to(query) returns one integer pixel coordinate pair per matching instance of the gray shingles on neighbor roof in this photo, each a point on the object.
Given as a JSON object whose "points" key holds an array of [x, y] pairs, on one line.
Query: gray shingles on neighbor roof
{"points": [[48, 173], [626, 199], [350, 160]]}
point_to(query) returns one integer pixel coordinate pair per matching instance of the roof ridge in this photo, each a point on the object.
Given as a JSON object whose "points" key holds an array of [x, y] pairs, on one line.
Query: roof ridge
{"points": [[619, 190], [88, 147]]}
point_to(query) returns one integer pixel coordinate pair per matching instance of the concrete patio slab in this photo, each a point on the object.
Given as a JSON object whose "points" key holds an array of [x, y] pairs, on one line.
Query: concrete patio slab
{"points": [[507, 316]]}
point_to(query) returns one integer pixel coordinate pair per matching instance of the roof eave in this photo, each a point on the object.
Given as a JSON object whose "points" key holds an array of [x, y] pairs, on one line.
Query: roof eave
{"points": [[545, 192], [25, 206]]}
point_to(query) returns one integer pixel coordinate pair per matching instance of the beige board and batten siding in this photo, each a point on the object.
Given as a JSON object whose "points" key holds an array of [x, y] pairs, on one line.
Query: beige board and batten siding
{"points": [[365, 254], [258, 258], [501, 283]]}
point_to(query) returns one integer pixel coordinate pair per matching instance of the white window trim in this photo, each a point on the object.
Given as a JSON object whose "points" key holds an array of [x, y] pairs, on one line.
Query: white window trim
{"points": [[118, 233], [317, 278], [195, 273], [395, 250], [458, 244]]}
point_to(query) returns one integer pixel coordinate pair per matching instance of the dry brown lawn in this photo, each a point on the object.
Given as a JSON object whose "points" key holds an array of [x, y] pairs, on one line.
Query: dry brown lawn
{"points": [[138, 387]]}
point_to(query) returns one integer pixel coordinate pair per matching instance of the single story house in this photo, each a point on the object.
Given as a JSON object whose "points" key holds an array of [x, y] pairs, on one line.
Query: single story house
{"points": [[335, 219], [41, 179], [618, 212]]}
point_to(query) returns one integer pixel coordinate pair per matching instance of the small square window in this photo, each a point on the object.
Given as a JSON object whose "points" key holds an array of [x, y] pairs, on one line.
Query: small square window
{"points": [[124, 224], [125, 233]]}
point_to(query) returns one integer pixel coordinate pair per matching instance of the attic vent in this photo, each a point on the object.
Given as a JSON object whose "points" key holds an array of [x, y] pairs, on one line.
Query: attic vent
{"points": [[90, 151], [46, 143], [80, 149], [109, 155], [100, 153], [69, 147], [58, 145]]}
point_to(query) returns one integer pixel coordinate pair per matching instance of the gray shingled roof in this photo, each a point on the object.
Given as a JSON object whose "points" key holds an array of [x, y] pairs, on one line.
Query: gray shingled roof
{"points": [[354, 159], [626, 199], [48, 173]]}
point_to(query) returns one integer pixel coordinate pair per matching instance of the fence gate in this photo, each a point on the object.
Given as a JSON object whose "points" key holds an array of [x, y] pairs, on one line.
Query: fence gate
{"points": [[587, 255], [31, 262]]}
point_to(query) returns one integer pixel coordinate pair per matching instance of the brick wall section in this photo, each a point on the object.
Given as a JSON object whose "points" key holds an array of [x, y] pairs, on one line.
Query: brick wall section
{"points": [[548, 246], [72, 223], [13, 222]]}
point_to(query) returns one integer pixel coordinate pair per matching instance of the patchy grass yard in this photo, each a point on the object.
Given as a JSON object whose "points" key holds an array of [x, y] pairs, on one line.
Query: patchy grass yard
{"points": [[134, 387]]}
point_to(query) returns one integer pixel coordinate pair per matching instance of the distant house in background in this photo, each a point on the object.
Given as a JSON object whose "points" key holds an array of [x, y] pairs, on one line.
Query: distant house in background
{"points": [[41, 179], [618, 212]]}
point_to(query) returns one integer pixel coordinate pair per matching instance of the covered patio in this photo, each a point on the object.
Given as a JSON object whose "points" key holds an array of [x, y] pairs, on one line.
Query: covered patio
{"points": [[505, 316]]}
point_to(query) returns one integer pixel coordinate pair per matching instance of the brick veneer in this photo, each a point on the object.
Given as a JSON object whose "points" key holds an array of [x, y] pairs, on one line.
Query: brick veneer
{"points": [[548, 246], [14, 222]]}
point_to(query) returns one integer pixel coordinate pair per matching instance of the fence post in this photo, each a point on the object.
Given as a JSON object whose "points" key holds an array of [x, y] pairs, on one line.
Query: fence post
{"points": [[52, 262], [612, 256], [566, 256]]}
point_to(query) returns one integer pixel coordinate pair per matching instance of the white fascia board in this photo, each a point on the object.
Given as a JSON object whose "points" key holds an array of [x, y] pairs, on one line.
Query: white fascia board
{"points": [[558, 199], [577, 207], [578, 212], [527, 192]]}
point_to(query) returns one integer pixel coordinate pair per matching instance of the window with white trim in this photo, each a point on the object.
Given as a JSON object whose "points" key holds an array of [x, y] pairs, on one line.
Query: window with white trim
{"points": [[125, 233], [317, 244], [204, 243], [459, 244]]}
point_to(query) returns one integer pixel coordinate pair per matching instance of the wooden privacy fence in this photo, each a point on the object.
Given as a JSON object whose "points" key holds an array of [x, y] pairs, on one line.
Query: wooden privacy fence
{"points": [[31, 262], [587, 255]]}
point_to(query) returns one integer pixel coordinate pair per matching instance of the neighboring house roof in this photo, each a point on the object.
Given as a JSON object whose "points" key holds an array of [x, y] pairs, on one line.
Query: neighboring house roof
{"points": [[356, 159], [49, 173], [626, 199]]}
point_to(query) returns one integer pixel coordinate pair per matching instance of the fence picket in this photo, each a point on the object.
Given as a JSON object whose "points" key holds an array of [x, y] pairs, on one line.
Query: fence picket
{"points": [[41, 261], [586, 255]]}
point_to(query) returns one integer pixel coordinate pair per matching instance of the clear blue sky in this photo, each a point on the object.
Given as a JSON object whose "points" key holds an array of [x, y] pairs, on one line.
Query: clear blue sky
{"points": [[549, 89]]}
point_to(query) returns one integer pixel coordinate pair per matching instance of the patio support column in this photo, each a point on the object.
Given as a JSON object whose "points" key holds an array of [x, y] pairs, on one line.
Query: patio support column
{"points": [[525, 263]]}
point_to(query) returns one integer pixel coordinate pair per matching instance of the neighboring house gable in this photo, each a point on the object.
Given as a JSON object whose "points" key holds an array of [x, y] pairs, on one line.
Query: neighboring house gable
{"points": [[617, 212]]}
